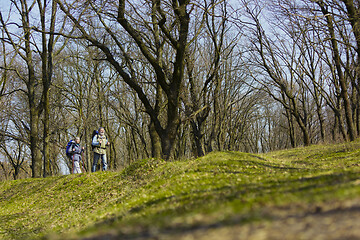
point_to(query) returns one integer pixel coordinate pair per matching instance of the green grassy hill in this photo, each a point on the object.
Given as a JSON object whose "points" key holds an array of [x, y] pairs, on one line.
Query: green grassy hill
{"points": [[224, 195]]}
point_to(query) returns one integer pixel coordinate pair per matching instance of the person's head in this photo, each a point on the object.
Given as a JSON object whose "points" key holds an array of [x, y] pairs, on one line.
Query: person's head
{"points": [[77, 139], [102, 131]]}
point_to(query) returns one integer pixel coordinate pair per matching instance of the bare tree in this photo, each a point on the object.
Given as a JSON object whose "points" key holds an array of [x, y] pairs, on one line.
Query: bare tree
{"points": [[25, 44], [169, 28], [17, 158], [277, 60], [339, 70], [29, 79]]}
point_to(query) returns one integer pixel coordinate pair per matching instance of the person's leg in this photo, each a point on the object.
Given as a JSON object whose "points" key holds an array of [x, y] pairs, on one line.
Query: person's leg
{"points": [[77, 167], [103, 161], [96, 159]]}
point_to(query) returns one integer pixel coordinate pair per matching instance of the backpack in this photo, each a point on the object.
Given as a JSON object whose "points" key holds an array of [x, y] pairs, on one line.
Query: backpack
{"points": [[95, 132], [68, 148]]}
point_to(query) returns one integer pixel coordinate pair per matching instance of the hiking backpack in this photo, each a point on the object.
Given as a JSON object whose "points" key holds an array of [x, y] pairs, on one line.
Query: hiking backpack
{"points": [[68, 148], [95, 132]]}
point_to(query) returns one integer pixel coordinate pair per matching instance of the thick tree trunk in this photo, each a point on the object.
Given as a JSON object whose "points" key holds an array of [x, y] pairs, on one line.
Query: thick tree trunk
{"points": [[35, 143], [155, 142], [169, 135], [197, 135], [36, 159], [47, 71], [167, 143]]}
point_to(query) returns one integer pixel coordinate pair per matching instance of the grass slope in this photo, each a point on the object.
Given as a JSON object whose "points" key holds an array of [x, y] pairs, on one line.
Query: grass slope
{"points": [[157, 199]]}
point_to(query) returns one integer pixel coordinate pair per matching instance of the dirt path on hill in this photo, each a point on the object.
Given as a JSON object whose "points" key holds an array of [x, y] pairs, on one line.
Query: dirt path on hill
{"points": [[330, 221], [340, 221]]}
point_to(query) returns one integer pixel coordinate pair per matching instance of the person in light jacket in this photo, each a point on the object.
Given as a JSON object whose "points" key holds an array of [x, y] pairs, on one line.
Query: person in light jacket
{"points": [[99, 143], [76, 151]]}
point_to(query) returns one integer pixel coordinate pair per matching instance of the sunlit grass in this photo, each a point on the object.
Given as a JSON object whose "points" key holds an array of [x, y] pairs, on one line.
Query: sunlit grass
{"points": [[152, 196]]}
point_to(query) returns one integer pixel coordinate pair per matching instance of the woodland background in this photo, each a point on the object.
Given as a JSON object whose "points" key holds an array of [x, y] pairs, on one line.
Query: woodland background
{"points": [[174, 79]]}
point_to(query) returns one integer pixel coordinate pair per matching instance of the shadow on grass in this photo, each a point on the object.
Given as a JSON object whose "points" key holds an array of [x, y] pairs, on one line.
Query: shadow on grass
{"points": [[194, 200], [181, 230]]}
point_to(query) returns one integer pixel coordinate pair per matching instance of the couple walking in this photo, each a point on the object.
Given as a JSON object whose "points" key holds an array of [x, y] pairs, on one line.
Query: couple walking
{"points": [[99, 143]]}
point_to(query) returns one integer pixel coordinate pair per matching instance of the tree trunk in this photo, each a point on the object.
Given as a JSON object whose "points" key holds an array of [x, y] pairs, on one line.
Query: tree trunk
{"points": [[36, 160], [155, 142], [342, 81], [291, 128], [47, 71], [35, 142], [197, 135]]}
